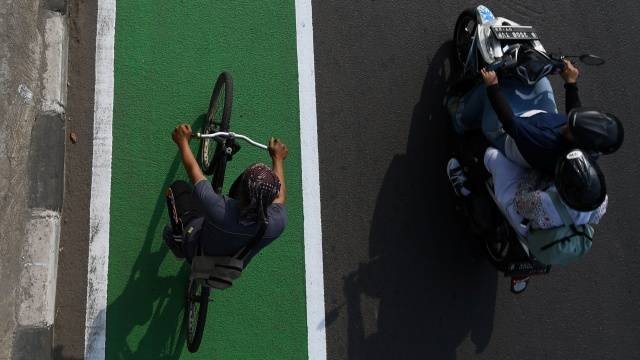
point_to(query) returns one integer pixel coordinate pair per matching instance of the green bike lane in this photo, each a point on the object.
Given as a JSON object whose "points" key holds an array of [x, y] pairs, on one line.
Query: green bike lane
{"points": [[167, 57]]}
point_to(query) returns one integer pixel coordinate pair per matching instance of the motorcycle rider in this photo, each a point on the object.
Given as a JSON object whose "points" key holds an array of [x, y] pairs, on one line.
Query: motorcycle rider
{"points": [[524, 195], [522, 121], [223, 225]]}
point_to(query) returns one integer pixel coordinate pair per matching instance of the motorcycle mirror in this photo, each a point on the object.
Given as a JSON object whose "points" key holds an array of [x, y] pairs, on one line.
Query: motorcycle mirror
{"points": [[590, 59], [587, 59]]}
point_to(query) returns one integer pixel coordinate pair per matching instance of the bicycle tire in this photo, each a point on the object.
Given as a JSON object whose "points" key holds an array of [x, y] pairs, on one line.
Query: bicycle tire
{"points": [[196, 314], [218, 119]]}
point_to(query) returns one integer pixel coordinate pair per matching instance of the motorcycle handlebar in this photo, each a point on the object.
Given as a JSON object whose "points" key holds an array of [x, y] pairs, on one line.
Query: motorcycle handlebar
{"points": [[558, 65]]}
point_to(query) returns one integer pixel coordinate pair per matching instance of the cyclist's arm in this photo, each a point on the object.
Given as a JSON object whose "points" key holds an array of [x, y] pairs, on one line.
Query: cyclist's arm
{"points": [[278, 169], [181, 136], [279, 152], [190, 163]]}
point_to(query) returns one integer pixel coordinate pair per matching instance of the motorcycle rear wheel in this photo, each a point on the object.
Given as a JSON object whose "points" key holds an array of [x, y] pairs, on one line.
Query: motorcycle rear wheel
{"points": [[499, 247]]}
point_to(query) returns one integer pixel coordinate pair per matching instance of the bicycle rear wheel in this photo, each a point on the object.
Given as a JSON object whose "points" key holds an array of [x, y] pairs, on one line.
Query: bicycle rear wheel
{"points": [[212, 151], [196, 314]]}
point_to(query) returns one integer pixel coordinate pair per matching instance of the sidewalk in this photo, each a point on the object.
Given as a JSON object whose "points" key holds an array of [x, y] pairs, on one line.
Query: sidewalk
{"points": [[33, 48]]}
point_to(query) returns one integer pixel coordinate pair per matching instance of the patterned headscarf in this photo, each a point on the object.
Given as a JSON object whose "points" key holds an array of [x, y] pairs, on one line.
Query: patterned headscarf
{"points": [[262, 186]]}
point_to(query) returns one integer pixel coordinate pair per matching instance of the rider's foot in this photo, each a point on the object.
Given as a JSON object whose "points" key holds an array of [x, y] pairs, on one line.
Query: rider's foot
{"points": [[457, 177]]}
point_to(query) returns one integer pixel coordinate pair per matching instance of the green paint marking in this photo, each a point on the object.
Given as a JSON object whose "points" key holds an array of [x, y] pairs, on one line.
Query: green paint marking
{"points": [[167, 57]]}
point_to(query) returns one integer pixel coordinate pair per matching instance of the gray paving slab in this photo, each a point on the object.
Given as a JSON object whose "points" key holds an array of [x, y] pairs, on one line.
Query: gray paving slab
{"points": [[32, 95]]}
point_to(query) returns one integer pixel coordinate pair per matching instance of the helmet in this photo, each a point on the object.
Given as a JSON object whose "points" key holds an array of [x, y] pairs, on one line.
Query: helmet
{"points": [[595, 130], [580, 181]]}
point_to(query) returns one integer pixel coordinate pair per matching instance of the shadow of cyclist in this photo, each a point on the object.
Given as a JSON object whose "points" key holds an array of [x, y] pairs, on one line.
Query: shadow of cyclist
{"points": [[150, 299], [427, 289]]}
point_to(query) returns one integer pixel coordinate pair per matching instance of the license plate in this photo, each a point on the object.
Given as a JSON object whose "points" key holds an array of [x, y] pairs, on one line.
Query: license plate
{"points": [[514, 32], [526, 268]]}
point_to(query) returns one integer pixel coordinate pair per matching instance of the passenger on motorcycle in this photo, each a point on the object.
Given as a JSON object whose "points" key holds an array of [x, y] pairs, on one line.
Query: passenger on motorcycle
{"points": [[221, 224], [523, 123], [525, 198]]}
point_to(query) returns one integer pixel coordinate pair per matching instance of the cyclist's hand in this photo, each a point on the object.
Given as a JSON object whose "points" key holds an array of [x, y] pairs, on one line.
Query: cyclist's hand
{"points": [[181, 134], [570, 73], [489, 77], [277, 149]]}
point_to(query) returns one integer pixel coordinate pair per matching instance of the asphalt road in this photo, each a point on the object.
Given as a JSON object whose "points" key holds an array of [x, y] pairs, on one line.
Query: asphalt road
{"points": [[402, 277]]}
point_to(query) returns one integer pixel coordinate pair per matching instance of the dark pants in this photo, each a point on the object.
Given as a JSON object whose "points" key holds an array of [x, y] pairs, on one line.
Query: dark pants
{"points": [[187, 207]]}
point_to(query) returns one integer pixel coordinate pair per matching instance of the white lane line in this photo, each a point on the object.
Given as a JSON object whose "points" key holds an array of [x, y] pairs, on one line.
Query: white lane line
{"points": [[96, 317], [316, 340]]}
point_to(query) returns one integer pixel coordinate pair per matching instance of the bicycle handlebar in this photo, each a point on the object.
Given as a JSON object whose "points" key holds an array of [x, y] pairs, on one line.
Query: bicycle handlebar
{"points": [[229, 135]]}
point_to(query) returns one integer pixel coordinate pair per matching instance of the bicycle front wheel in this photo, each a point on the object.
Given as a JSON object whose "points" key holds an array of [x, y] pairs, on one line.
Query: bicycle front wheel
{"points": [[218, 119], [196, 314]]}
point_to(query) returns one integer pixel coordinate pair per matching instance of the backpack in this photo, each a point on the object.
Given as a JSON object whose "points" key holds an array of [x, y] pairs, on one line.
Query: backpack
{"points": [[563, 244]]}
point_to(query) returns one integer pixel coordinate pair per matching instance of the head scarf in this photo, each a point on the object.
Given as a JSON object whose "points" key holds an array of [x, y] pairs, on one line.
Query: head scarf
{"points": [[261, 185]]}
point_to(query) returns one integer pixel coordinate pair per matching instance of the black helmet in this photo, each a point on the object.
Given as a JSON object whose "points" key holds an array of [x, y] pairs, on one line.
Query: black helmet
{"points": [[595, 130], [580, 181]]}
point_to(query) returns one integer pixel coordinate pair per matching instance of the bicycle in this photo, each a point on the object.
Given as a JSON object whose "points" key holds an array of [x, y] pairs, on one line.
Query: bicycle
{"points": [[217, 147]]}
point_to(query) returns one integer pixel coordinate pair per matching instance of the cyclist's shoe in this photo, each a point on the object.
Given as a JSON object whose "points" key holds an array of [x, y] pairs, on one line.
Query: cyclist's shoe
{"points": [[173, 242], [457, 177]]}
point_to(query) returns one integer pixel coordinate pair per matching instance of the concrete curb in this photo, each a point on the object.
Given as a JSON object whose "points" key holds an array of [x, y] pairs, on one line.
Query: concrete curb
{"points": [[37, 287]]}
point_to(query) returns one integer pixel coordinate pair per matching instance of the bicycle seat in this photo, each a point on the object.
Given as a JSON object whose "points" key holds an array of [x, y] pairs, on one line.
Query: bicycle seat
{"points": [[217, 272]]}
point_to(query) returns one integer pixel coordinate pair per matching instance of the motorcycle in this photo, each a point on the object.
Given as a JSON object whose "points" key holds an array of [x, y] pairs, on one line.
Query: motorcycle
{"points": [[483, 40]]}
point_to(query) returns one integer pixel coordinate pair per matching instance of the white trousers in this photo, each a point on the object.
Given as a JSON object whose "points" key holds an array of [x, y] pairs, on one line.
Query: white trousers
{"points": [[507, 175]]}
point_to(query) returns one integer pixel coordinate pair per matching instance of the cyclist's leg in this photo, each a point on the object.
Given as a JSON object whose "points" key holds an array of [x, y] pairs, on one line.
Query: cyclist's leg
{"points": [[187, 209], [187, 206], [470, 108]]}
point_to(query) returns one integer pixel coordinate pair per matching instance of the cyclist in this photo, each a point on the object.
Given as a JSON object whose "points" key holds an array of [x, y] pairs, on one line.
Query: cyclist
{"points": [[223, 225], [536, 135]]}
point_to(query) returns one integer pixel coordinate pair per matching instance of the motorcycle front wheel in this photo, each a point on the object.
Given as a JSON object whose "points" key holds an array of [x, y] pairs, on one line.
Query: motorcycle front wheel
{"points": [[463, 34]]}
